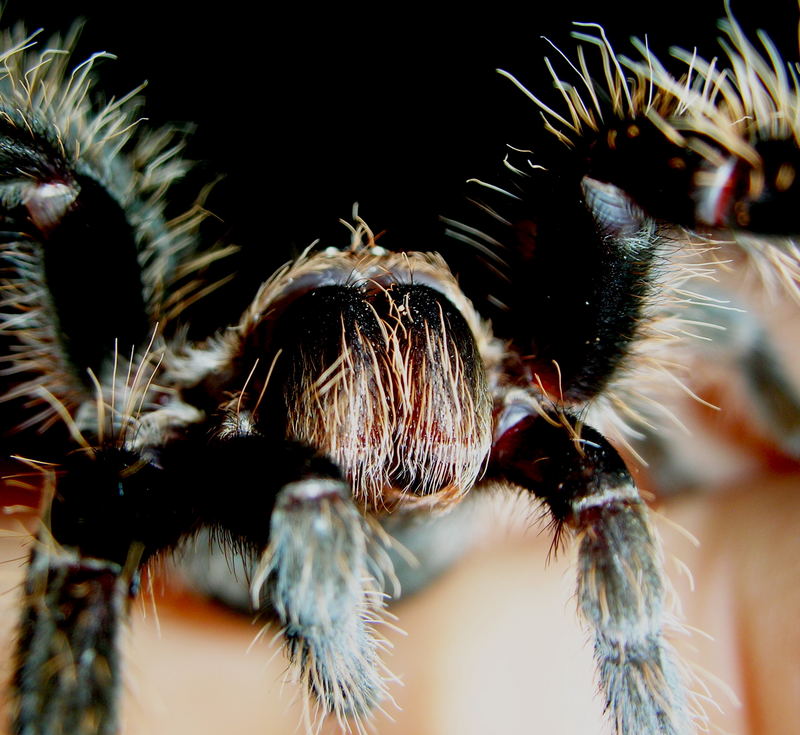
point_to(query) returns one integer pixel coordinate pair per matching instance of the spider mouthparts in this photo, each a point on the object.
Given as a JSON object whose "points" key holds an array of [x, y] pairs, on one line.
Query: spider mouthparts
{"points": [[386, 380]]}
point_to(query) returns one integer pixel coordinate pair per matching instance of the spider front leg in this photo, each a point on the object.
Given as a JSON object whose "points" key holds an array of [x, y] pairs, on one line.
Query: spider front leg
{"points": [[587, 489], [584, 269], [321, 563], [320, 579]]}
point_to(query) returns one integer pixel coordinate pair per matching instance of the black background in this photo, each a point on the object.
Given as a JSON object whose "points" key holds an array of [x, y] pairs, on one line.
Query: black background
{"points": [[305, 111]]}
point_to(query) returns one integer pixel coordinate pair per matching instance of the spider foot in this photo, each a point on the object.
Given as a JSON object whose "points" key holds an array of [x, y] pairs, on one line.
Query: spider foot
{"points": [[621, 597], [322, 573]]}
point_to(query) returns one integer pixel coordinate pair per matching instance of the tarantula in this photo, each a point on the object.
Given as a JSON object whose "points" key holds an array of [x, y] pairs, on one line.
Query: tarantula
{"points": [[367, 377]]}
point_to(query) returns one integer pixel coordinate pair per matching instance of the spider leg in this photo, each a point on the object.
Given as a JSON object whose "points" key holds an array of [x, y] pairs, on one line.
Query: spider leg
{"points": [[321, 564], [58, 215], [621, 590], [720, 141], [746, 344], [741, 343], [67, 672], [109, 514], [753, 191], [319, 577], [424, 547], [572, 279]]}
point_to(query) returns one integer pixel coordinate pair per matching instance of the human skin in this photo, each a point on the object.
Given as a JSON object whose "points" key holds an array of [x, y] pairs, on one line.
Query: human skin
{"points": [[494, 645]]}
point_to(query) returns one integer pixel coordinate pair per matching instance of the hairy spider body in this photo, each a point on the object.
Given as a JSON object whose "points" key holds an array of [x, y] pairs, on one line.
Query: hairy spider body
{"points": [[385, 342], [367, 377]]}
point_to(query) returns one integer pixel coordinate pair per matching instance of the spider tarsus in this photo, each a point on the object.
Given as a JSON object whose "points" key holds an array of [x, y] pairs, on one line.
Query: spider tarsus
{"points": [[621, 598], [321, 574]]}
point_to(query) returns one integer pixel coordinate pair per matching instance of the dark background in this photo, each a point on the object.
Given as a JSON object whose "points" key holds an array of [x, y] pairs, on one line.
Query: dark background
{"points": [[392, 106]]}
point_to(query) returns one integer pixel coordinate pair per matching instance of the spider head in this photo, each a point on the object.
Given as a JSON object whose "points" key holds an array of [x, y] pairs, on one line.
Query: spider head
{"points": [[376, 365]]}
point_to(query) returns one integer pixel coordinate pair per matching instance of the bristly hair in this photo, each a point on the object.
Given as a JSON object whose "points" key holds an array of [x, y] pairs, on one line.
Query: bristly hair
{"points": [[48, 90], [50, 104], [754, 98], [715, 113], [743, 109], [322, 573], [382, 370], [715, 110]]}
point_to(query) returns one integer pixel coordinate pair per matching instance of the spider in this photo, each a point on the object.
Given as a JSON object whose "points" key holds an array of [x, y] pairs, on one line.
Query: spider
{"points": [[362, 388]]}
